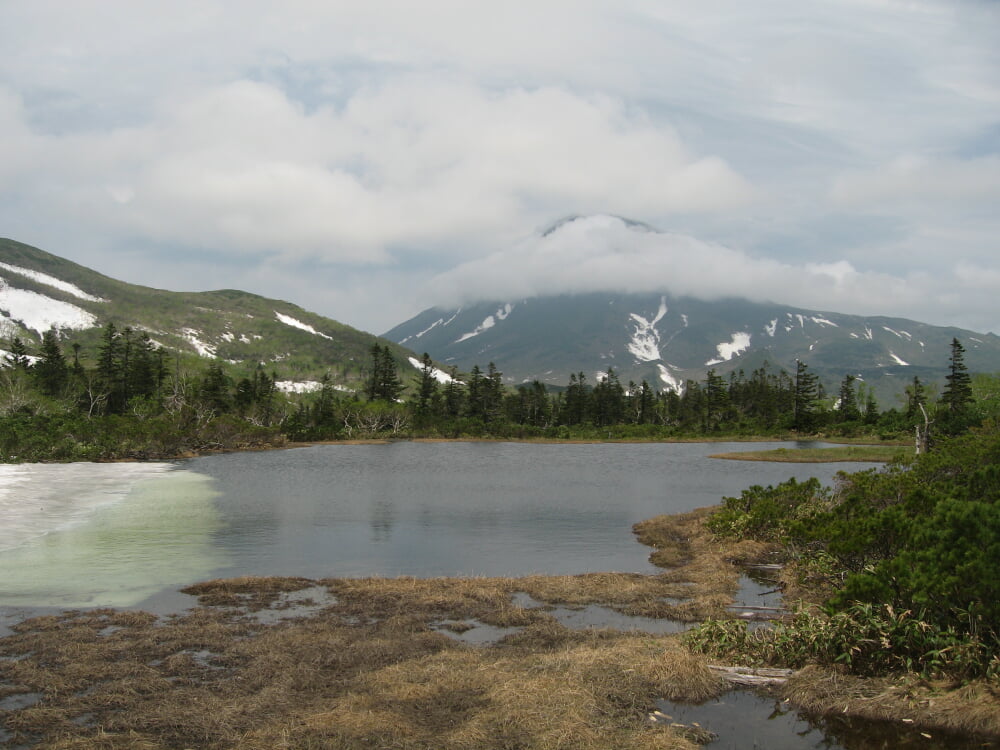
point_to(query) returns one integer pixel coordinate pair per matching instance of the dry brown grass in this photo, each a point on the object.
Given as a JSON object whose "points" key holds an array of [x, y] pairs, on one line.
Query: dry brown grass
{"points": [[375, 667], [972, 708], [369, 670]]}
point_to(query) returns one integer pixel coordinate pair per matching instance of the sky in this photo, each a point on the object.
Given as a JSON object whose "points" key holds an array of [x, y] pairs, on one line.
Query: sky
{"points": [[369, 160]]}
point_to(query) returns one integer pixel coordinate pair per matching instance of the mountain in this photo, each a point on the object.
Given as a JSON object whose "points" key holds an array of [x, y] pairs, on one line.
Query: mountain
{"points": [[666, 340], [39, 291]]}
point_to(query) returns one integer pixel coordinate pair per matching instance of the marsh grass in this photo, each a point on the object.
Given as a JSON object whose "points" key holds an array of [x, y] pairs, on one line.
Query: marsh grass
{"points": [[368, 670], [864, 453]]}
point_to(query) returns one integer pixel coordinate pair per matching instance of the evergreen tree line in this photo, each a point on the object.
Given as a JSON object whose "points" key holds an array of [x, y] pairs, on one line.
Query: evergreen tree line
{"points": [[134, 383]]}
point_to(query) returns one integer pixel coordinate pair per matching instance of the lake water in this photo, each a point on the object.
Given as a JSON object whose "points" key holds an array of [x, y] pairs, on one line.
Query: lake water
{"points": [[125, 535], [118, 534]]}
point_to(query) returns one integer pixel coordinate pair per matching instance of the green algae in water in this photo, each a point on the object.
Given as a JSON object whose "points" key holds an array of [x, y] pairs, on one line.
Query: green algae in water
{"points": [[159, 535]]}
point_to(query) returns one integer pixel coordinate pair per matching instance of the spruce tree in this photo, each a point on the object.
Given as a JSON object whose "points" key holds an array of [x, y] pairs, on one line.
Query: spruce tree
{"points": [[957, 396], [847, 406], [51, 371], [18, 355], [805, 395]]}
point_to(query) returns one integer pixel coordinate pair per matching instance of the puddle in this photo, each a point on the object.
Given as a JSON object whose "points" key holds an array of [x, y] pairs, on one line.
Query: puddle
{"points": [[758, 598], [596, 616], [17, 701], [295, 604], [474, 633], [742, 720]]}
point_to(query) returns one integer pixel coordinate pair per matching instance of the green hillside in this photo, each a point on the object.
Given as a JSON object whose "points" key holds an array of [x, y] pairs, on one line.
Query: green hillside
{"points": [[240, 330]]}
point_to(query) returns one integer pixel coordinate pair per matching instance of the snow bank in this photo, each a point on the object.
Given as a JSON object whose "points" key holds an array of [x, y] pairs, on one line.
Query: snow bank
{"points": [[52, 281], [739, 343], [645, 342], [290, 321], [40, 313], [439, 375]]}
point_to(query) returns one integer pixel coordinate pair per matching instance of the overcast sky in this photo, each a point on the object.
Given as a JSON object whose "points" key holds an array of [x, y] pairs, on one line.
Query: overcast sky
{"points": [[367, 160]]}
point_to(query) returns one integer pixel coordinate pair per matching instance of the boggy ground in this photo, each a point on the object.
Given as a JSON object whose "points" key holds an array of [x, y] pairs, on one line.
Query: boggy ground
{"points": [[374, 663], [358, 663], [969, 707]]}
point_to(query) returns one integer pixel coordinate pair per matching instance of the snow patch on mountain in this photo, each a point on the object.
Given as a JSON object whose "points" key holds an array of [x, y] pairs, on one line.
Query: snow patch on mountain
{"points": [[290, 321], [52, 281], [191, 336], [40, 313], [897, 360], [670, 381], [293, 386], [428, 329], [488, 323], [771, 328], [728, 349], [439, 375], [900, 334], [823, 322], [645, 342]]}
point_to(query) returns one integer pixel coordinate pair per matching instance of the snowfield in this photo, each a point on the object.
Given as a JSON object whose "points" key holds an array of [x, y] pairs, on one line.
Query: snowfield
{"points": [[728, 349], [40, 313], [290, 321], [52, 281], [645, 342], [439, 375]]}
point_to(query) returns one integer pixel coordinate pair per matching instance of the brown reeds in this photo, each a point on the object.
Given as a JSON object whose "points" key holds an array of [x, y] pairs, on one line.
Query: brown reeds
{"points": [[370, 669]]}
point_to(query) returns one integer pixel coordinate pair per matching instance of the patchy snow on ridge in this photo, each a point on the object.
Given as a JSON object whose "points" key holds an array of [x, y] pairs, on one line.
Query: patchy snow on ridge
{"points": [[290, 321], [52, 281], [823, 322], [488, 323], [40, 313], [729, 349], [5, 355], [899, 334], [771, 328], [191, 336], [439, 375], [897, 360], [645, 342], [671, 382], [292, 386]]}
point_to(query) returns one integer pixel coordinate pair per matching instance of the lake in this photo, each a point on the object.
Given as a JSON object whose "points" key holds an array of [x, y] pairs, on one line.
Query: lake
{"points": [[128, 534]]}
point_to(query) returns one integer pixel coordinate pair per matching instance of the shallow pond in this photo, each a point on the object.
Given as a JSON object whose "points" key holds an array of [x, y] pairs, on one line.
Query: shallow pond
{"points": [[76, 537], [131, 534]]}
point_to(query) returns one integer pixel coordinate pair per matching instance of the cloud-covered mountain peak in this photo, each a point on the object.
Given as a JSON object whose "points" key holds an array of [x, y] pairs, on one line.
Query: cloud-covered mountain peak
{"points": [[589, 222]]}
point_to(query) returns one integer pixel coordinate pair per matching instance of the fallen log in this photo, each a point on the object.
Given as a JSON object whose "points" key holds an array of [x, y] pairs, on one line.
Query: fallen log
{"points": [[752, 676]]}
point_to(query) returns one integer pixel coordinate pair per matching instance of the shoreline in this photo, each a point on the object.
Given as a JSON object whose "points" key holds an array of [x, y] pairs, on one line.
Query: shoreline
{"points": [[244, 640]]}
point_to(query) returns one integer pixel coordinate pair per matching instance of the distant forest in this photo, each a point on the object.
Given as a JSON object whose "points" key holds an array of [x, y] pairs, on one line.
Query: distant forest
{"points": [[137, 401]]}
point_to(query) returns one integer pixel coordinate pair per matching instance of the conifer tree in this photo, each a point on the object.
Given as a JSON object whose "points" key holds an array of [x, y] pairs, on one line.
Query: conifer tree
{"points": [[805, 395], [18, 355], [51, 371], [957, 396], [847, 406], [428, 386]]}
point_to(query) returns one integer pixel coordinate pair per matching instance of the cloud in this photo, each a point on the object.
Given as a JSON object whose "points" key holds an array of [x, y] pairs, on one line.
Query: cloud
{"points": [[603, 253], [927, 182], [847, 147], [414, 163]]}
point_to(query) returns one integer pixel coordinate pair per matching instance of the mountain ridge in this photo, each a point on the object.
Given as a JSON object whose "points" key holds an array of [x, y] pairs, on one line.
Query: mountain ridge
{"points": [[39, 290], [667, 340]]}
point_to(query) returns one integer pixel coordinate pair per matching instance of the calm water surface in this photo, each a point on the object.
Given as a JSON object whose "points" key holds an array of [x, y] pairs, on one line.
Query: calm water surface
{"points": [[429, 509], [422, 509]]}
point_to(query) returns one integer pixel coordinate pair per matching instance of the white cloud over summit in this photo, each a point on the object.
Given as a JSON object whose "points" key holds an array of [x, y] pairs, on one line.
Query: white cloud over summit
{"points": [[369, 159], [599, 253]]}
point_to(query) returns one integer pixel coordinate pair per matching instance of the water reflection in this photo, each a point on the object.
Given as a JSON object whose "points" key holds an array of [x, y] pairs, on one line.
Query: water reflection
{"points": [[743, 720], [424, 509]]}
